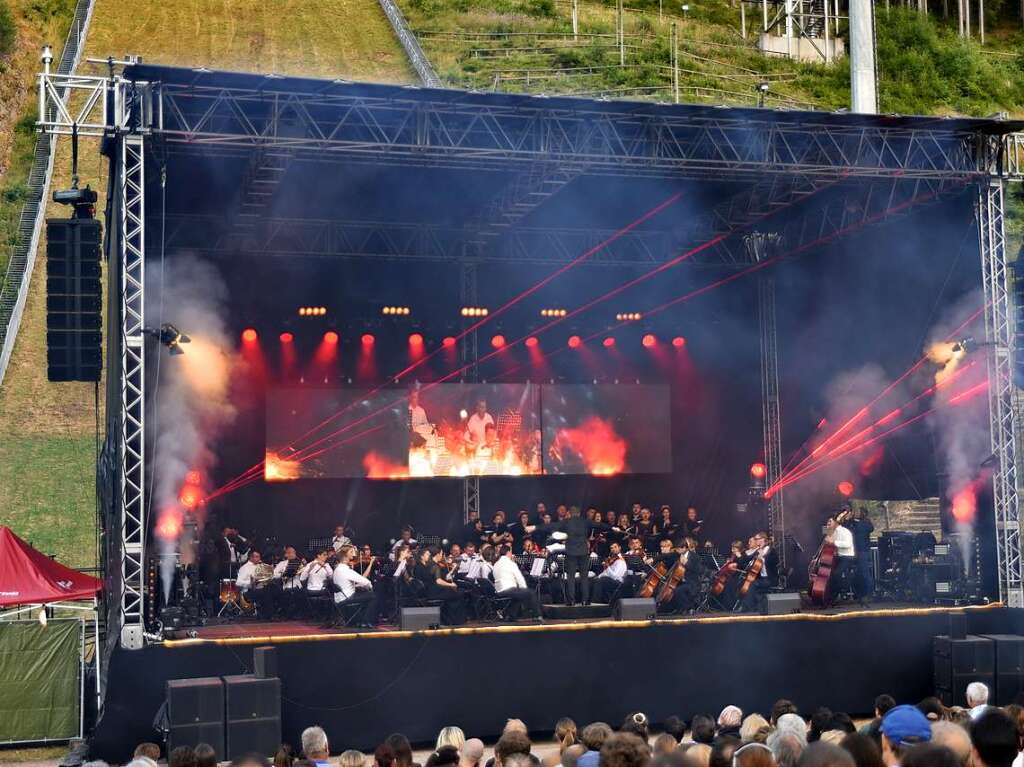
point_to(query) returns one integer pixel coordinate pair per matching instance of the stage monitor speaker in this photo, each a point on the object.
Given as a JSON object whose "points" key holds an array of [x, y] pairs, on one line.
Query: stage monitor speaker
{"points": [[73, 299], [1009, 668], [195, 712], [253, 715], [635, 609], [782, 603], [958, 625], [419, 618], [971, 655], [264, 661]]}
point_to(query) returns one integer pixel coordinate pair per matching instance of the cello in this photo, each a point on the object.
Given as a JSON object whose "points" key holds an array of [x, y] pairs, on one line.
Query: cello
{"points": [[725, 572], [751, 576], [819, 573], [656, 577], [676, 577]]}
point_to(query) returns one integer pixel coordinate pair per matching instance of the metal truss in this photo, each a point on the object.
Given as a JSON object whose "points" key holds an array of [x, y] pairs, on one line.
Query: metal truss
{"points": [[470, 353], [527, 192], [999, 332], [133, 389]]}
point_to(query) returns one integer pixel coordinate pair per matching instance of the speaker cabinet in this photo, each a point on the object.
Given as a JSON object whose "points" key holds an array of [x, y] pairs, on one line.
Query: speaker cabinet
{"points": [[73, 299], [253, 715], [419, 618], [1009, 668], [195, 712], [781, 604], [635, 609], [958, 662], [264, 661]]}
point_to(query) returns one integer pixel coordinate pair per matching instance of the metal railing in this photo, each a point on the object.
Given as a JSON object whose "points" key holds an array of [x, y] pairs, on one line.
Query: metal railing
{"points": [[411, 44], [16, 280]]}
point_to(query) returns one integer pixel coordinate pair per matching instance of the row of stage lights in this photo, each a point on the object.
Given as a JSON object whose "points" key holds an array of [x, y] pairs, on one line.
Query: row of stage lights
{"points": [[250, 336], [466, 311]]}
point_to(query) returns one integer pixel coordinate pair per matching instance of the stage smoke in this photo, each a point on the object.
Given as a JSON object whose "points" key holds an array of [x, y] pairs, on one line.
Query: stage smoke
{"points": [[191, 398], [946, 354], [595, 440]]}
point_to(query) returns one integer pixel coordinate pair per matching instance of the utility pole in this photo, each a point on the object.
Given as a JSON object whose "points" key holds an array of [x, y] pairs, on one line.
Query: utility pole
{"points": [[622, 36], [981, 20], [743, 19], [863, 85], [576, 20], [675, 62]]}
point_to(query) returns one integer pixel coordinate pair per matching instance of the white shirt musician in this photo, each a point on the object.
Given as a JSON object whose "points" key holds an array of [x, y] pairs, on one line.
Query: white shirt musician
{"points": [[610, 580], [418, 423], [476, 425], [340, 539], [509, 583], [507, 575], [316, 573], [348, 582], [843, 539], [281, 568], [616, 570], [246, 573]]}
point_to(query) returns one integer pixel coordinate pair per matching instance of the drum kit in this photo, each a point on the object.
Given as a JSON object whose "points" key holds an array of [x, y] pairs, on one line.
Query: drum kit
{"points": [[233, 601]]}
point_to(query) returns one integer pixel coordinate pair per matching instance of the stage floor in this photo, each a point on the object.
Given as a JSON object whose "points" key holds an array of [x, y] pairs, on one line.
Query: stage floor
{"points": [[247, 631]]}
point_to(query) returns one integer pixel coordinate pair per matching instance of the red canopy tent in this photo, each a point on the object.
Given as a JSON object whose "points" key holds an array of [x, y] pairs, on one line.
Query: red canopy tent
{"points": [[30, 577]]}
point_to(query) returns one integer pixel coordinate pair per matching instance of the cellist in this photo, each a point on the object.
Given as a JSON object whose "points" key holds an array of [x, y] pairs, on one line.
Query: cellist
{"points": [[726, 581], [762, 557]]}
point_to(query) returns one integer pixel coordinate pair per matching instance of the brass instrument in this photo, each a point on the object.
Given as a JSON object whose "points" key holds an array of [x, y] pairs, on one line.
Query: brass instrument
{"points": [[264, 574]]}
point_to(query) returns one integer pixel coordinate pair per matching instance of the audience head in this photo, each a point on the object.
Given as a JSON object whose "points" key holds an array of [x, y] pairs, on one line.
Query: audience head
{"points": [[754, 728], [994, 739], [399, 745], [445, 756], [251, 759], [283, 758], [565, 733], [450, 736], [675, 727], [207, 757], [753, 755], [673, 758], [902, 727], [700, 754], [182, 756], [314, 743], [514, 741], [147, 750], [932, 708], [624, 749], [594, 735], [954, 737], [883, 703], [929, 755], [722, 750], [786, 746], [472, 752], [730, 718], [572, 754], [517, 760], [702, 729], [637, 724], [383, 756], [977, 694], [863, 749], [821, 720], [665, 744], [515, 725], [351, 758], [793, 723], [780, 707], [825, 755]]}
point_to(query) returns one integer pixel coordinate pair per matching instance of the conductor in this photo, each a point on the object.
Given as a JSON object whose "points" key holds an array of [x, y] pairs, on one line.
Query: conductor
{"points": [[577, 550]]}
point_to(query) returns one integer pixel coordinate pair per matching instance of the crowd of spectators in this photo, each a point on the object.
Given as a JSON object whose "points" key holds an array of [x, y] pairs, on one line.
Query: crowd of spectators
{"points": [[926, 734]]}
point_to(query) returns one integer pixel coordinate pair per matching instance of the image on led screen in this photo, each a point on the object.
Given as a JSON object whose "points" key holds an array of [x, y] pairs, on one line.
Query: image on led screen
{"points": [[445, 430], [606, 429]]}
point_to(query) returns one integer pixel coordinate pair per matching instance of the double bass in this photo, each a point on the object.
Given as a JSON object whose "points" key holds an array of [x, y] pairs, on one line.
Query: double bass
{"points": [[819, 573]]}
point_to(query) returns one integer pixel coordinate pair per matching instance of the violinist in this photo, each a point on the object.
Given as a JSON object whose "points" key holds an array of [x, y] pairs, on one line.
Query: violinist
{"points": [[340, 538], [436, 585], [767, 573], [609, 581], [367, 562]]}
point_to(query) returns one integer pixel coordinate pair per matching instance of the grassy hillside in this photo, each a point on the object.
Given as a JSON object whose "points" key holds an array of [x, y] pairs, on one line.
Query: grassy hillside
{"points": [[527, 45], [47, 457]]}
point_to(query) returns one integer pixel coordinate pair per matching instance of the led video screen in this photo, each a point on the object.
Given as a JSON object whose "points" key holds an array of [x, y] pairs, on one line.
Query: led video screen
{"points": [[606, 429], [458, 430], [446, 430]]}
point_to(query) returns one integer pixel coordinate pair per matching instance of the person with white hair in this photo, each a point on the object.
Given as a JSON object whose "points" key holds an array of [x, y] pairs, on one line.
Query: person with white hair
{"points": [[977, 698], [314, 746], [794, 724], [729, 721], [954, 737], [786, 746]]}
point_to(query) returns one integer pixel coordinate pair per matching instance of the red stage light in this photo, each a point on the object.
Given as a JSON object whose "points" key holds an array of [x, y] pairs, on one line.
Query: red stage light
{"points": [[194, 477], [249, 335], [498, 341], [758, 470], [331, 337], [415, 340], [649, 341], [368, 339], [679, 342], [532, 341], [574, 342], [449, 342], [845, 488], [286, 337], [609, 342]]}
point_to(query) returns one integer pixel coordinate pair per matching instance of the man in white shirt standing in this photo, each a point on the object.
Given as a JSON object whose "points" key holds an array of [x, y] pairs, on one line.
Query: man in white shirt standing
{"points": [[842, 578], [476, 425], [353, 588], [509, 583], [609, 582]]}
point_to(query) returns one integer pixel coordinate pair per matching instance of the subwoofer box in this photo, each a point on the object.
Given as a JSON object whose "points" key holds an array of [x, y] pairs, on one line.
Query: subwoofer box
{"points": [[635, 609], [419, 618]]}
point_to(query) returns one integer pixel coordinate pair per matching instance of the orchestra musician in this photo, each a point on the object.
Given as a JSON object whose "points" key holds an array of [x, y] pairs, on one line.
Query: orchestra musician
{"points": [[610, 580], [473, 528], [665, 526], [509, 583], [760, 548], [436, 585], [693, 526], [286, 573], [404, 539], [354, 588], [340, 539], [518, 530], [316, 573], [577, 551], [232, 551], [262, 592], [836, 532], [861, 526], [733, 574]]}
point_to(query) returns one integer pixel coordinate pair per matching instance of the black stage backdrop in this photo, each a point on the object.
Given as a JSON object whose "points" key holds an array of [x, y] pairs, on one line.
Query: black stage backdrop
{"points": [[360, 690]]}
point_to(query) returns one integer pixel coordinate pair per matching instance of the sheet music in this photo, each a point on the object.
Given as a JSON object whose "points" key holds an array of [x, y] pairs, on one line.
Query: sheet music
{"points": [[537, 569]]}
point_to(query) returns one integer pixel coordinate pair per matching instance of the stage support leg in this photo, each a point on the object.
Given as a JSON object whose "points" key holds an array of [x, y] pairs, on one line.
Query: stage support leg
{"points": [[771, 418], [999, 333], [470, 354], [133, 428]]}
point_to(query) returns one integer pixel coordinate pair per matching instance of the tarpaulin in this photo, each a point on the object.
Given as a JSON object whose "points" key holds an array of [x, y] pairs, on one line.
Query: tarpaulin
{"points": [[30, 577]]}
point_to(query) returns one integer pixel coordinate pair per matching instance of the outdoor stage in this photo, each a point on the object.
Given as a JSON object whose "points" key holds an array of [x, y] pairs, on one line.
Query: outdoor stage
{"points": [[362, 686]]}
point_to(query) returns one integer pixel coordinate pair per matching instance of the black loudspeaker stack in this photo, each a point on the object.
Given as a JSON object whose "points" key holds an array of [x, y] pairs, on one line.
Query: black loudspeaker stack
{"points": [[253, 715], [195, 713], [1009, 671], [958, 662], [73, 299]]}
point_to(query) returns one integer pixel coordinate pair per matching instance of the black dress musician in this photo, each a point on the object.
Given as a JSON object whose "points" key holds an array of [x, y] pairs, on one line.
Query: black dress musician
{"points": [[686, 596], [437, 587], [232, 552], [693, 526]]}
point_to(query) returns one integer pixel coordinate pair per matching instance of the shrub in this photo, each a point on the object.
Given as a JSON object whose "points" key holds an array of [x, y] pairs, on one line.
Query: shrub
{"points": [[8, 32]]}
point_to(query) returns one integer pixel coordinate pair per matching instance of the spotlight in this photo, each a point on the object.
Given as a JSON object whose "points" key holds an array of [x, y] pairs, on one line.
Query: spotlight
{"points": [[172, 338], [368, 339], [758, 471], [679, 342], [845, 488], [415, 340], [331, 337], [574, 342], [531, 341], [286, 337], [249, 335], [498, 341], [609, 342], [628, 316], [402, 311], [474, 311], [553, 312], [449, 342], [649, 340]]}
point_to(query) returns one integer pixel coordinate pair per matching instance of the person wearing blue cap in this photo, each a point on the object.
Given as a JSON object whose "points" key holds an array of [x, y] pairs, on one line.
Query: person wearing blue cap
{"points": [[903, 727]]}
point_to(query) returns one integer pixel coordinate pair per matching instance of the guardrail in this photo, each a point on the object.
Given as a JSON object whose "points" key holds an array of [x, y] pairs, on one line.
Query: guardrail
{"points": [[16, 281], [411, 44]]}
